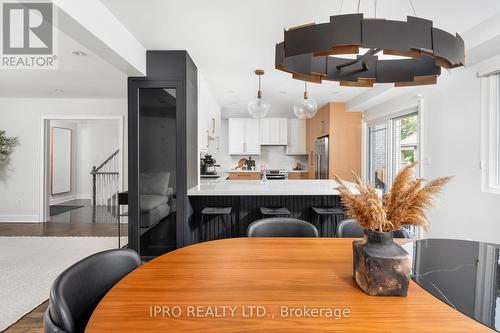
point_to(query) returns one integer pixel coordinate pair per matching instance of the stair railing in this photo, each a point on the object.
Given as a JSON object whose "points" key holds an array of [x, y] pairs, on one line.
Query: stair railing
{"points": [[105, 181]]}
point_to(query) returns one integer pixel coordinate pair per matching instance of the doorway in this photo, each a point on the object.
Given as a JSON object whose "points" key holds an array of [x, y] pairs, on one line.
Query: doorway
{"points": [[82, 174]]}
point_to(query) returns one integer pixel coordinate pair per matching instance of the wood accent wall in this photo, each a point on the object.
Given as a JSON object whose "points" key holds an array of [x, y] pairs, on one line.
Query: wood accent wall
{"points": [[344, 131]]}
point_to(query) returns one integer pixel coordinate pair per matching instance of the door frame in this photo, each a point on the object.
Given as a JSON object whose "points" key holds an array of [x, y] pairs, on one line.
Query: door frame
{"points": [[44, 201]]}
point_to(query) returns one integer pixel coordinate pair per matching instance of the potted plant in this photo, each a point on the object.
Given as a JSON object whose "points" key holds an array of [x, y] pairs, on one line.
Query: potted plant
{"points": [[381, 267], [7, 145]]}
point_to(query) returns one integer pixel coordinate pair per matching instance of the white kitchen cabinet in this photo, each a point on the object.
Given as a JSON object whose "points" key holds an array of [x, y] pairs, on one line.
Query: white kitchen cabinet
{"points": [[244, 136], [296, 137], [209, 114], [273, 131]]}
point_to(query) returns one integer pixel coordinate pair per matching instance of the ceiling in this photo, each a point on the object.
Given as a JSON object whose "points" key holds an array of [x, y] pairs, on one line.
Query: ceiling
{"points": [[76, 77], [229, 39]]}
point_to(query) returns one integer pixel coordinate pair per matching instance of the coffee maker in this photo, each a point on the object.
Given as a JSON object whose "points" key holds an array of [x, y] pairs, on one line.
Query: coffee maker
{"points": [[207, 165]]}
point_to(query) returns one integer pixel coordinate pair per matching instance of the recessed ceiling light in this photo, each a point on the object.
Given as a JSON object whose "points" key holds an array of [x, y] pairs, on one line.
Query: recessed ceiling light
{"points": [[79, 53], [283, 92], [231, 91], [58, 91]]}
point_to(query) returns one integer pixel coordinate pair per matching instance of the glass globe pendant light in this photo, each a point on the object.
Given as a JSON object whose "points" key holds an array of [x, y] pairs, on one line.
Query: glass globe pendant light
{"points": [[258, 108], [305, 108]]}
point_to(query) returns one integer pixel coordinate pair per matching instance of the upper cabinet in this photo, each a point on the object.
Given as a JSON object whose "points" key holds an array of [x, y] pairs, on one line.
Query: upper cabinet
{"points": [[296, 137], [209, 115], [244, 136], [344, 131], [273, 131]]}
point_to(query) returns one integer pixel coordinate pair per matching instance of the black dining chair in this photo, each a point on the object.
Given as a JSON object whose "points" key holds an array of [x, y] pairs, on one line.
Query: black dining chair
{"points": [[76, 292], [350, 228], [281, 227]]}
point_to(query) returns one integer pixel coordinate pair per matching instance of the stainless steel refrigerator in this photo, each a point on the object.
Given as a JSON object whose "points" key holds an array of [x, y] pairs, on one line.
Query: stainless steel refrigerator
{"points": [[321, 155]]}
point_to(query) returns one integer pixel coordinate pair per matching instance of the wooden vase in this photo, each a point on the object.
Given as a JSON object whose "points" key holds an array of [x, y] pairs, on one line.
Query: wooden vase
{"points": [[380, 266]]}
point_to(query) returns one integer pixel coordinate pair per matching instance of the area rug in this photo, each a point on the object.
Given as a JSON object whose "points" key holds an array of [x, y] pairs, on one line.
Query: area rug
{"points": [[29, 265], [59, 209]]}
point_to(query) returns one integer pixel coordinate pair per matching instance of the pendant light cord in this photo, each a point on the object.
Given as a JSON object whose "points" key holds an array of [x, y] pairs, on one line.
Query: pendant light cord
{"points": [[359, 2], [306, 94], [259, 93], [375, 4], [341, 5], [413, 8]]}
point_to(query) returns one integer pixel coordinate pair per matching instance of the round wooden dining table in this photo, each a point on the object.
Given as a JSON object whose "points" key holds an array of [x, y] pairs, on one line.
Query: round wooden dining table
{"points": [[265, 285]]}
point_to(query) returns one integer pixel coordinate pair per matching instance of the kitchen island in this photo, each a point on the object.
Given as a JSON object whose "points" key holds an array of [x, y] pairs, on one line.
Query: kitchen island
{"points": [[246, 197]]}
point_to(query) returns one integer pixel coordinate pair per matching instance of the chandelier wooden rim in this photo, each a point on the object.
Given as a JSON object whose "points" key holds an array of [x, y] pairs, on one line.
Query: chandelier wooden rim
{"points": [[313, 52]]}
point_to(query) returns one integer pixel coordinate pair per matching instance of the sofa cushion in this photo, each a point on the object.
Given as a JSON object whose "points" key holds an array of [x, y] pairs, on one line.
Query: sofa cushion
{"points": [[150, 202], [154, 183]]}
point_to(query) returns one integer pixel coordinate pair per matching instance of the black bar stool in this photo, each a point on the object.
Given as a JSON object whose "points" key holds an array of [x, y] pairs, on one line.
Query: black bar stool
{"points": [[211, 212], [324, 213], [274, 212]]}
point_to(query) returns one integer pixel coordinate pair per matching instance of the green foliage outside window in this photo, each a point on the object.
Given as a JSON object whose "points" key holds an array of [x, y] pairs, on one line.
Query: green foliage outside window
{"points": [[408, 127]]}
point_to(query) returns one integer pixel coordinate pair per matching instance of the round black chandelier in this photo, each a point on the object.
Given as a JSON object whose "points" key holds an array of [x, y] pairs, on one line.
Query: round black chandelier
{"points": [[313, 52]]}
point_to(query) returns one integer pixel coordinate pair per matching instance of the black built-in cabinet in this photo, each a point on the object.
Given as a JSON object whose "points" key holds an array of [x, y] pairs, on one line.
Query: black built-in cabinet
{"points": [[162, 105]]}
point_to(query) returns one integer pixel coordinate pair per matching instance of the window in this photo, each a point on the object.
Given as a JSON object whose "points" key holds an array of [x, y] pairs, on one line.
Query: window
{"points": [[378, 156], [490, 133], [405, 141], [393, 142]]}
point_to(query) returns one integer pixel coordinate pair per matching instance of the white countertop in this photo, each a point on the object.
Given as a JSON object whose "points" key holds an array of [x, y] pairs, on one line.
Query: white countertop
{"points": [[289, 171], [271, 187]]}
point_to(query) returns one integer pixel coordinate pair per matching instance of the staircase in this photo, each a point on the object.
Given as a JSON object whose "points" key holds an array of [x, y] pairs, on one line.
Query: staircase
{"points": [[105, 182]]}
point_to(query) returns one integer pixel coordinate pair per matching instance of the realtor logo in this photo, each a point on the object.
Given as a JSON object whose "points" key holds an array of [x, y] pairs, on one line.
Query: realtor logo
{"points": [[28, 35]]}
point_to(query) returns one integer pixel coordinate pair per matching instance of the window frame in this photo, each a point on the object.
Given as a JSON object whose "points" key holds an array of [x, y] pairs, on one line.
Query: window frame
{"points": [[490, 133], [388, 118]]}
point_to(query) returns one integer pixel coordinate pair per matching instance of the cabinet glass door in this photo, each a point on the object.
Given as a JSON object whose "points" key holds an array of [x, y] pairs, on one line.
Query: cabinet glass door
{"points": [[157, 171]]}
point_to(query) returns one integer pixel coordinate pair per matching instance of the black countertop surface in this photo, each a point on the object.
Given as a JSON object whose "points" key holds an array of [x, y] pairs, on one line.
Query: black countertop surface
{"points": [[463, 274]]}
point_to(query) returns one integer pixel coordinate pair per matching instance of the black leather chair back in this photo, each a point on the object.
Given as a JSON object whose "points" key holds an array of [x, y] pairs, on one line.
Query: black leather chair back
{"points": [[281, 227], [351, 229], [77, 291], [401, 233]]}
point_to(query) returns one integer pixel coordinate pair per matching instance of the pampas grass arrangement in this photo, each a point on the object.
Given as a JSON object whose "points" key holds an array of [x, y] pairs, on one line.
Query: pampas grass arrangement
{"points": [[405, 204]]}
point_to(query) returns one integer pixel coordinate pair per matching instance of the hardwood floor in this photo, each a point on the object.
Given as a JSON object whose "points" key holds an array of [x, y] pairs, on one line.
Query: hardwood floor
{"points": [[62, 229], [85, 221], [31, 322]]}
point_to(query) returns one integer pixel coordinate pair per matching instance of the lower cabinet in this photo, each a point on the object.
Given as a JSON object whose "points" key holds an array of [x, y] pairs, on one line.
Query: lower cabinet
{"points": [[248, 175], [298, 175]]}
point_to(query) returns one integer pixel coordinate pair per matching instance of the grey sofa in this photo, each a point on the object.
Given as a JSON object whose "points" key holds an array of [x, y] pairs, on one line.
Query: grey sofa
{"points": [[155, 199]]}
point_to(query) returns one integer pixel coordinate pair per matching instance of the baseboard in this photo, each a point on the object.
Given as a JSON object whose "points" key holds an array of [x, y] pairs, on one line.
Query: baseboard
{"points": [[85, 196], [58, 200], [20, 218]]}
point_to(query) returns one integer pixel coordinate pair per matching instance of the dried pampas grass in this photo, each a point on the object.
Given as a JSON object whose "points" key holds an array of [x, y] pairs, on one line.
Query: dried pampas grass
{"points": [[405, 204]]}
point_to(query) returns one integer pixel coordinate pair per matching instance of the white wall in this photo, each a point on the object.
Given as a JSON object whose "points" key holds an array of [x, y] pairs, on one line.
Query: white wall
{"points": [[452, 141], [273, 156], [22, 117], [97, 140]]}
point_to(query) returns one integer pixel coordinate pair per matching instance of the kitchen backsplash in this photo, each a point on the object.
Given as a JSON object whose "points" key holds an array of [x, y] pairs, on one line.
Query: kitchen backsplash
{"points": [[273, 156]]}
